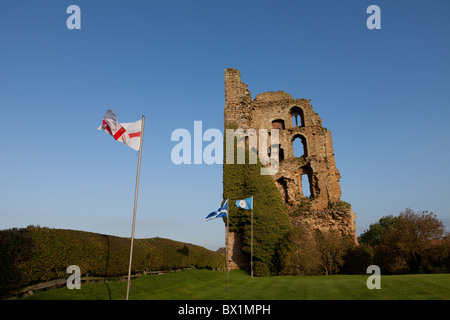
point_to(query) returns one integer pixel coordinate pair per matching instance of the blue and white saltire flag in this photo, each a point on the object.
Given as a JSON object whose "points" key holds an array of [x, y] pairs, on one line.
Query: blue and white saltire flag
{"points": [[245, 204], [221, 212]]}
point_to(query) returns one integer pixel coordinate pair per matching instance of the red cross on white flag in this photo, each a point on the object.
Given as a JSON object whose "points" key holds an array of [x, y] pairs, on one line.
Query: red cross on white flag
{"points": [[128, 133]]}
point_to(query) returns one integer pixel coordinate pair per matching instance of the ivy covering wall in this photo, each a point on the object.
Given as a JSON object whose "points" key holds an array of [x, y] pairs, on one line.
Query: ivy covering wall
{"points": [[270, 219]]}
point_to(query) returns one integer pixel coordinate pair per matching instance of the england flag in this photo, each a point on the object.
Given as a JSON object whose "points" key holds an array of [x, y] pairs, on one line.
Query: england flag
{"points": [[127, 133]]}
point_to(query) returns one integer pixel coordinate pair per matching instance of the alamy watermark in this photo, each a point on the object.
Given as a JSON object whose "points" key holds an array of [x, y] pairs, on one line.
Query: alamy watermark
{"points": [[74, 281], [74, 20], [374, 281], [374, 20], [213, 153]]}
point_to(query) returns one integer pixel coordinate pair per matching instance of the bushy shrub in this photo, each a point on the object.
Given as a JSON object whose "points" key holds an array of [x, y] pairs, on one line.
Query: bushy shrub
{"points": [[316, 252], [299, 254], [332, 247], [357, 258]]}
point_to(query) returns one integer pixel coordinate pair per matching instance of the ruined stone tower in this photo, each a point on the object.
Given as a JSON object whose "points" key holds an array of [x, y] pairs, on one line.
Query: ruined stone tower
{"points": [[305, 152]]}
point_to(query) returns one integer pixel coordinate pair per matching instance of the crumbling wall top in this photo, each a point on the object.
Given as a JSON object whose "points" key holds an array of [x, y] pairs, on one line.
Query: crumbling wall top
{"points": [[272, 96], [236, 92]]}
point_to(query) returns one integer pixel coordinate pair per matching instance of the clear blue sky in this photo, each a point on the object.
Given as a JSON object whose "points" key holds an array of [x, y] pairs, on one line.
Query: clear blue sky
{"points": [[384, 94]]}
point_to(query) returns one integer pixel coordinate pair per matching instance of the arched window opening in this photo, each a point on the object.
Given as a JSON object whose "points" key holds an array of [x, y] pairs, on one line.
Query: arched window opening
{"points": [[299, 146], [297, 117]]}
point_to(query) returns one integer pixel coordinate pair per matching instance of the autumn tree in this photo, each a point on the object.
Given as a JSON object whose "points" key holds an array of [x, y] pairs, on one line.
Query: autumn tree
{"points": [[376, 230], [407, 243]]}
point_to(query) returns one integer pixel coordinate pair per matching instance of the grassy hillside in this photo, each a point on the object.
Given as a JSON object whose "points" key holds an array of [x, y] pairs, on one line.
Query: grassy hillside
{"points": [[34, 254], [207, 285]]}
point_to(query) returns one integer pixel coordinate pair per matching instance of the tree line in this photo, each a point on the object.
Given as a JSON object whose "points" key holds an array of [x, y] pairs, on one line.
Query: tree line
{"points": [[412, 242]]}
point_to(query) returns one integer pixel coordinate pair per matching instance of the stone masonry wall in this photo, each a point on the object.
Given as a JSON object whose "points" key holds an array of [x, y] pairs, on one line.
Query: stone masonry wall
{"points": [[236, 258], [295, 119]]}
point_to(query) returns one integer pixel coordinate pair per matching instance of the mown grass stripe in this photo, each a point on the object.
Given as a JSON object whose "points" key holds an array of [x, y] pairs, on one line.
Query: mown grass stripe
{"points": [[211, 285]]}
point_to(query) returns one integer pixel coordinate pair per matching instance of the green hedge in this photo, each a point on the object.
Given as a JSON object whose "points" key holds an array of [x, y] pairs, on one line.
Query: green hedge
{"points": [[33, 255], [172, 255]]}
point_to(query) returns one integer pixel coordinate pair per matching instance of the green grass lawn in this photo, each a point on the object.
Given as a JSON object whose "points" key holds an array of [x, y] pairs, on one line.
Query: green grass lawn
{"points": [[210, 285]]}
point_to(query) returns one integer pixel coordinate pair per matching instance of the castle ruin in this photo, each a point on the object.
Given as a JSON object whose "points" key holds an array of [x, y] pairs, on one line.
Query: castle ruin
{"points": [[306, 158]]}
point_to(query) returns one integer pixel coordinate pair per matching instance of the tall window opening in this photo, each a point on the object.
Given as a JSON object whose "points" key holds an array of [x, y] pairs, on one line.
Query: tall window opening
{"points": [[306, 186], [308, 189], [299, 146], [297, 117]]}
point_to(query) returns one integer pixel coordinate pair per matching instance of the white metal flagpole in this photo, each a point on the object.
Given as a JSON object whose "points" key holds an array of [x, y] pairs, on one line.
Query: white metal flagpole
{"points": [[227, 255], [135, 204], [251, 242]]}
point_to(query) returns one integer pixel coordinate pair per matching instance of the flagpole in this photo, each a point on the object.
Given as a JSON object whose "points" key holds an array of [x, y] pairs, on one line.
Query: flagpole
{"points": [[227, 255], [135, 204], [251, 242]]}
